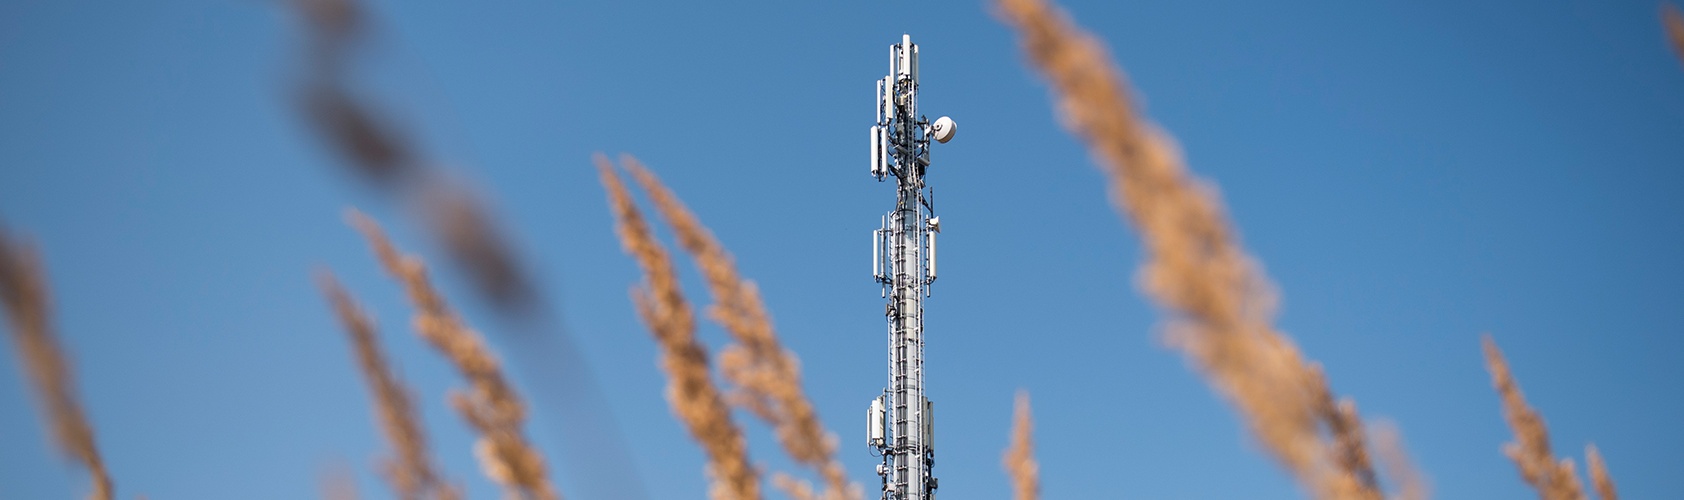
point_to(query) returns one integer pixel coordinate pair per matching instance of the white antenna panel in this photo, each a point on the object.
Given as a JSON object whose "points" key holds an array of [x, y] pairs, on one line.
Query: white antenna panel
{"points": [[874, 426], [888, 101], [914, 64], [876, 150], [876, 257], [880, 102], [929, 423], [903, 67], [932, 256], [894, 60], [885, 149]]}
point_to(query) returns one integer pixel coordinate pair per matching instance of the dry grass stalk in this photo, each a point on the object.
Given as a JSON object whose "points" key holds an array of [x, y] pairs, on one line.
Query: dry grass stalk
{"points": [[490, 404], [1674, 22], [1344, 427], [1407, 481], [24, 291], [690, 389], [338, 482], [1019, 458], [1554, 479], [793, 487], [767, 375], [412, 471], [1197, 269], [385, 155], [463, 222], [1599, 474]]}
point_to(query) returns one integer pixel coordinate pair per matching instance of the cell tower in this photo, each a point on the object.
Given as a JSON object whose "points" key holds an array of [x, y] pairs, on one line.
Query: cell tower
{"points": [[901, 428]]}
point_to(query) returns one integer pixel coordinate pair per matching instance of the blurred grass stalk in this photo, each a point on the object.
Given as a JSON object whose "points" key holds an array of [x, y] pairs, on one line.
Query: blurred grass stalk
{"points": [[383, 154], [1673, 20], [694, 398], [337, 482], [1554, 479], [411, 472], [23, 288], [1394, 459], [490, 405], [1221, 303], [1019, 458], [1599, 474]]}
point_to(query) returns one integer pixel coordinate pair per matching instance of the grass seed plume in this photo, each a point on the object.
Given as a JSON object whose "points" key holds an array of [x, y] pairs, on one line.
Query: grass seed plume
{"points": [[1344, 427], [1554, 479], [794, 487], [1673, 20], [23, 288], [411, 471], [767, 376], [1221, 302], [490, 405], [1599, 474], [690, 389], [1019, 459], [337, 481], [1407, 481]]}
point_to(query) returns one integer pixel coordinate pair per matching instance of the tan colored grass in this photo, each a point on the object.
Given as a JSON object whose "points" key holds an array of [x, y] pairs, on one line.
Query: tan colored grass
{"points": [[490, 404], [1019, 458], [767, 376], [793, 487], [23, 288], [337, 482], [1554, 479], [1222, 304], [690, 389], [1407, 480], [411, 471], [1673, 20], [1349, 442], [1599, 474]]}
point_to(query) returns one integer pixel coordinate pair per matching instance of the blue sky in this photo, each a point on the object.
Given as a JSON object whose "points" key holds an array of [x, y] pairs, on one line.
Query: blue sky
{"points": [[1411, 174]]}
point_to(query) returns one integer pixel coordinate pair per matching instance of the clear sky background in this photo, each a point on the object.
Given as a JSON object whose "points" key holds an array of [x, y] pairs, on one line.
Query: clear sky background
{"points": [[1411, 174]]}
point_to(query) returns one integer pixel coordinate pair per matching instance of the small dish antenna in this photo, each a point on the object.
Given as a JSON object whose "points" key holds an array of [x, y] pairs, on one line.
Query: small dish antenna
{"points": [[943, 129]]}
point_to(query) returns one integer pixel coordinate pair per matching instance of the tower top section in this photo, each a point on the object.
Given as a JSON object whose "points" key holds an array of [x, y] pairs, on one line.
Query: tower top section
{"points": [[899, 124]]}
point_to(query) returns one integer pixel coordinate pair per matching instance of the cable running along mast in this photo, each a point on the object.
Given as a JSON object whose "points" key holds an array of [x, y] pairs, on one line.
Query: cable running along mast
{"points": [[901, 425]]}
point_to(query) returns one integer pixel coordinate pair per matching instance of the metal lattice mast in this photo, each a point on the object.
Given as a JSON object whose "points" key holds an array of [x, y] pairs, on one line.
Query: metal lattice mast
{"points": [[901, 426]]}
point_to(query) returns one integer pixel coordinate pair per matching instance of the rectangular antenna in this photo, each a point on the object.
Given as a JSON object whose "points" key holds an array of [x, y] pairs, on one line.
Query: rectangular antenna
{"points": [[880, 102], [933, 256], [905, 66], [876, 150], [929, 424], [887, 148], [914, 63], [876, 258], [888, 103], [874, 424], [894, 59]]}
